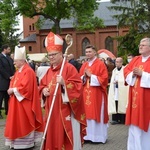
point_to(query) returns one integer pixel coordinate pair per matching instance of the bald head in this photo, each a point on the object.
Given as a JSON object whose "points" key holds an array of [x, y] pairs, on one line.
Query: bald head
{"points": [[118, 62]]}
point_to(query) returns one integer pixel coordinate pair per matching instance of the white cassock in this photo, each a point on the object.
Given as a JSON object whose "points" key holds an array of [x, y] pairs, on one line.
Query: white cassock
{"points": [[120, 94], [41, 71], [75, 124], [137, 138]]}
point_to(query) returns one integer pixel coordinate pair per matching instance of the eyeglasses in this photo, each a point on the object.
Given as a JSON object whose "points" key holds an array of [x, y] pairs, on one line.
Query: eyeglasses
{"points": [[53, 55], [142, 45]]}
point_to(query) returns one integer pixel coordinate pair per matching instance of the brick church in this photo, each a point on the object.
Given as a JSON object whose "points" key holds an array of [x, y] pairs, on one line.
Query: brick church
{"points": [[102, 38]]}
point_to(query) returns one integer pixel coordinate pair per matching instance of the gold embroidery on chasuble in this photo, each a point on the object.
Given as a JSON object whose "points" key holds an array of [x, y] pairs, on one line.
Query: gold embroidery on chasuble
{"points": [[15, 81], [74, 100], [52, 84], [134, 90], [63, 147], [88, 93], [82, 117], [88, 96], [70, 86]]}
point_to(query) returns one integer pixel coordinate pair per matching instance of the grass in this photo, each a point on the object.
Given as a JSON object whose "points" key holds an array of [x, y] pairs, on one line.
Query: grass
{"points": [[3, 114]]}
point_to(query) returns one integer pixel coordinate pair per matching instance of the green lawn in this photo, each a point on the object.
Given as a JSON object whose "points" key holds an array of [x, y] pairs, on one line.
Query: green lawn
{"points": [[3, 114]]}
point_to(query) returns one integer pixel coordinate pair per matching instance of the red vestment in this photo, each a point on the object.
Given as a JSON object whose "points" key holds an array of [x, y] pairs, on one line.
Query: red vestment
{"points": [[25, 116], [138, 110], [93, 94], [59, 134]]}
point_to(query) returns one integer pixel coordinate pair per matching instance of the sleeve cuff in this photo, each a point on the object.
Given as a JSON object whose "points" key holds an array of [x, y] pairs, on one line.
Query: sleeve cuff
{"points": [[18, 95]]}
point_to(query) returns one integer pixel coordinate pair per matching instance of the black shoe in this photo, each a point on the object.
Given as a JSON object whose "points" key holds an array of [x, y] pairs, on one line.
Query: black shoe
{"points": [[1, 117], [97, 143], [114, 122], [87, 141]]}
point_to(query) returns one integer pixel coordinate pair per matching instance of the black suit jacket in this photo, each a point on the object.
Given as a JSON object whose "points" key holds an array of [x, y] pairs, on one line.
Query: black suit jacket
{"points": [[7, 70]]}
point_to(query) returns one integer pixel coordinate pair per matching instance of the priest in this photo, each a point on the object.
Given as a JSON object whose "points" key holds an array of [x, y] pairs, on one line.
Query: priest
{"points": [[24, 120], [137, 76]]}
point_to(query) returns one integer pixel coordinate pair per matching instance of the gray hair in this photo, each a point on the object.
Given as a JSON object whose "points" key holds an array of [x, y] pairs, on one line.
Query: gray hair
{"points": [[146, 39]]}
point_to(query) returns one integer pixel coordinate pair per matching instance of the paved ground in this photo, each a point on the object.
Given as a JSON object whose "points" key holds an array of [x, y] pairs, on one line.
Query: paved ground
{"points": [[117, 139]]}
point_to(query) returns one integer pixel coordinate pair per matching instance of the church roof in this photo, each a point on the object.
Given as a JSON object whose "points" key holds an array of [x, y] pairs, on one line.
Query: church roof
{"points": [[30, 38], [103, 12]]}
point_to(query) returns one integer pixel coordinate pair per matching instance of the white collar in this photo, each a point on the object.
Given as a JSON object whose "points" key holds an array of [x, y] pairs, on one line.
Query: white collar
{"points": [[20, 69], [145, 58], [91, 61]]}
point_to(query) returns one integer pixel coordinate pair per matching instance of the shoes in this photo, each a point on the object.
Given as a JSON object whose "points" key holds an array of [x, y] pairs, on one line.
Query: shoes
{"points": [[97, 143], [23, 148], [90, 142], [87, 141], [1, 117], [114, 122]]}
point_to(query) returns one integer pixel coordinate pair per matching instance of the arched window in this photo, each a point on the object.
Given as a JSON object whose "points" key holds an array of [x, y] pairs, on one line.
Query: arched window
{"points": [[30, 28], [30, 48], [109, 44], [85, 42], [33, 26]]}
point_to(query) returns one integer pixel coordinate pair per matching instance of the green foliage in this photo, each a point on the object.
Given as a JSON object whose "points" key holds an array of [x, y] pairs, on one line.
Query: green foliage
{"points": [[135, 15], [8, 22], [1, 38], [82, 11], [89, 25], [85, 16]]}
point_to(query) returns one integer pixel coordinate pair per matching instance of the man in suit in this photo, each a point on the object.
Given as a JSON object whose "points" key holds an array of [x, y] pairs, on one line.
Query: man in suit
{"points": [[7, 70]]}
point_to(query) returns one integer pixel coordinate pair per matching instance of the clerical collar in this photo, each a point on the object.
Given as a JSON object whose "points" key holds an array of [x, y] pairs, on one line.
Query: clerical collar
{"points": [[119, 68], [145, 58], [20, 69], [91, 61], [55, 68]]}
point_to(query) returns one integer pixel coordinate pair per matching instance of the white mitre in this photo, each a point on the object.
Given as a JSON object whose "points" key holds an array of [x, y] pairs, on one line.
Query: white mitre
{"points": [[20, 53]]}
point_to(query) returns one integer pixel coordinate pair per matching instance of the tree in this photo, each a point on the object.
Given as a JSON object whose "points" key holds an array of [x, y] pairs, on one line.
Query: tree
{"points": [[132, 14], [82, 11], [1, 38], [8, 22]]}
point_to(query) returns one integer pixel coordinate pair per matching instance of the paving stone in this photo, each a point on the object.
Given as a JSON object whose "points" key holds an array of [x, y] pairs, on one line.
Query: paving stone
{"points": [[117, 139]]}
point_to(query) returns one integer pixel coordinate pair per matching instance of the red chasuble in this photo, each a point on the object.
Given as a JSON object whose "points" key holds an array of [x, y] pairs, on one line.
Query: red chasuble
{"points": [[93, 94], [25, 116], [59, 134], [138, 110]]}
